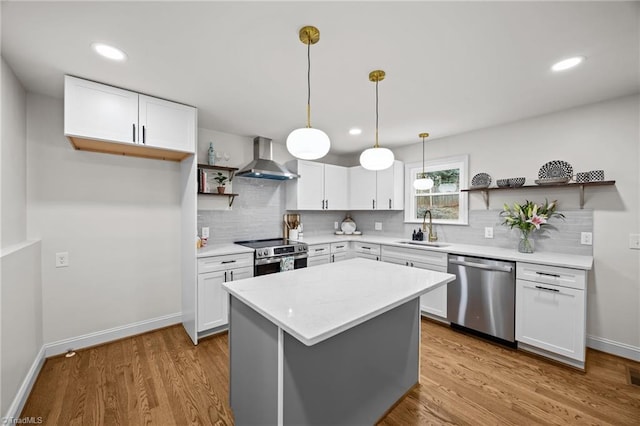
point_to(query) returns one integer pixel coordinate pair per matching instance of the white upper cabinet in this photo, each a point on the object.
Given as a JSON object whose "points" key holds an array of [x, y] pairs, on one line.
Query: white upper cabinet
{"points": [[319, 187], [102, 118], [382, 190], [165, 124], [97, 111]]}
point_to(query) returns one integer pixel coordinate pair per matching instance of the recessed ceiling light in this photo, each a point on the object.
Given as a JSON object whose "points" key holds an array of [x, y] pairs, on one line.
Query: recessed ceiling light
{"points": [[565, 64], [109, 52], [355, 131]]}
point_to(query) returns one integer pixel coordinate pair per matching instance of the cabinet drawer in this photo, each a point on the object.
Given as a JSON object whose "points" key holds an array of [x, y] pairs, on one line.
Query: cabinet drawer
{"points": [[319, 250], [220, 263], [435, 258], [339, 247], [565, 277], [360, 247]]}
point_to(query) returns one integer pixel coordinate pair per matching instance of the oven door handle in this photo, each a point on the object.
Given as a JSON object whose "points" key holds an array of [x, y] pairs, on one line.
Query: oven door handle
{"points": [[269, 260]]}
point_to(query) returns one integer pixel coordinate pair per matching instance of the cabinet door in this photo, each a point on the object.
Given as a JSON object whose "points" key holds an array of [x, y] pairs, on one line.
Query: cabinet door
{"points": [[336, 187], [310, 186], [97, 111], [434, 302], [340, 256], [213, 301], [168, 125], [239, 274], [551, 318], [318, 260], [362, 188], [389, 188]]}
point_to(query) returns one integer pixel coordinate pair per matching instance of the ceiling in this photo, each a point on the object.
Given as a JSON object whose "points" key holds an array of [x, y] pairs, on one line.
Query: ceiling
{"points": [[451, 66]]}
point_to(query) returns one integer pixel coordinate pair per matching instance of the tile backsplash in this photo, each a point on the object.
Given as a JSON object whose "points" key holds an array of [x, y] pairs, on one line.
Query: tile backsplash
{"points": [[258, 210]]}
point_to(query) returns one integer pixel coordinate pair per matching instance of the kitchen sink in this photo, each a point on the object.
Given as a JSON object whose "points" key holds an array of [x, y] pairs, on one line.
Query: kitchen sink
{"points": [[423, 243]]}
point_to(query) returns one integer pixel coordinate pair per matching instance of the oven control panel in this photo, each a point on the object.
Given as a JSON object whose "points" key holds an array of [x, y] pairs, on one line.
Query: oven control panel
{"points": [[281, 250]]}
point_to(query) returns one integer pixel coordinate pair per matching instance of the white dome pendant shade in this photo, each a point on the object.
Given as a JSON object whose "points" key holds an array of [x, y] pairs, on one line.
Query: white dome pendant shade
{"points": [[376, 158], [424, 183], [308, 143]]}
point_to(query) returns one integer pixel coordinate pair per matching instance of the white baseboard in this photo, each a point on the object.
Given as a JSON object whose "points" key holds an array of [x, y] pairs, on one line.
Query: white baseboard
{"points": [[615, 348], [15, 409], [104, 336]]}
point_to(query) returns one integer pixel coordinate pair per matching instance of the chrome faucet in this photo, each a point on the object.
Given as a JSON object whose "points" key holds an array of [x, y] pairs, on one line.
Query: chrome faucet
{"points": [[432, 235]]}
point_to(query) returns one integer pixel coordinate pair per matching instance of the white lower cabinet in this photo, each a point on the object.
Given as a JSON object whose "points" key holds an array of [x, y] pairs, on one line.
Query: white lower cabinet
{"points": [[319, 254], [339, 251], [366, 250], [551, 312], [213, 301], [434, 302]]}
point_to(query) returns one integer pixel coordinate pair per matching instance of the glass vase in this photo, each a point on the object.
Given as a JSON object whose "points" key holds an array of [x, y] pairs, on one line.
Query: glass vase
{"points": [[526, 244]]}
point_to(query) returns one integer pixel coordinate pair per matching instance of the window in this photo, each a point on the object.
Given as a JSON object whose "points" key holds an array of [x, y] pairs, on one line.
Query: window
{"points": [[447, 204]]}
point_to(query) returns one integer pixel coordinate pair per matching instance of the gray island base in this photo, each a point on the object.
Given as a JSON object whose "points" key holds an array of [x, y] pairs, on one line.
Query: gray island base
{"points": [[336, 344]]}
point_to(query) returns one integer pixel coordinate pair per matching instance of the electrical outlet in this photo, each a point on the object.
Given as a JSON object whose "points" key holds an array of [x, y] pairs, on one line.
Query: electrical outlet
{"points": [[634, 241], [378, 226], [488, 232], [335, 225], [586, 238], [205, 232], [62, 259]]}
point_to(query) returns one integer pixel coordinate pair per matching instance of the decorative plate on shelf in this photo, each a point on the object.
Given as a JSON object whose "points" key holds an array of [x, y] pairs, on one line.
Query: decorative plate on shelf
{"points": [[553, 181], [555, 169], [348, 226], [481, 180]]}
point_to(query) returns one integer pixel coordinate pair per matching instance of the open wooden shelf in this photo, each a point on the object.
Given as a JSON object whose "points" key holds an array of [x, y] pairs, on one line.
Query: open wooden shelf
{"points": [[215, 194], [231, 170], [485, 191]]}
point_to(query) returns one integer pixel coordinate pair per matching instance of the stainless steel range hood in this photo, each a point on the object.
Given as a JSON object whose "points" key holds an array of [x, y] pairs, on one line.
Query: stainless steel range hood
{"points": [[263, 166]]}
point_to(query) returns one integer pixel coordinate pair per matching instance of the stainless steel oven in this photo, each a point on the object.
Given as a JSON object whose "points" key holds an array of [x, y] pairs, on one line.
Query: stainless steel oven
{"points": [[271, 254]]}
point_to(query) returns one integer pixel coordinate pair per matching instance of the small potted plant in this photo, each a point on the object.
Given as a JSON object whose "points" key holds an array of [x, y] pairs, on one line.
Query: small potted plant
{"points": [[221, 179]]}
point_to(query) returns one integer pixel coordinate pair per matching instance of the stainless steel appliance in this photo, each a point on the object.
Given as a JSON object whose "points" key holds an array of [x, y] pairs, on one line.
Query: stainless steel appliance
{"points": [[263, 166], [482, 297], [269, 254]]}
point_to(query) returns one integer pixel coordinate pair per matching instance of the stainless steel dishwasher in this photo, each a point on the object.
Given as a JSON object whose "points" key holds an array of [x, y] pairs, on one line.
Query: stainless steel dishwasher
{"points": [[482, 297]]}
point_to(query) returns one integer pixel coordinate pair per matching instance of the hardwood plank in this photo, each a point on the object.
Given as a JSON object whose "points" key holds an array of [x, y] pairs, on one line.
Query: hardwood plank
{"points": [[160, 378]]}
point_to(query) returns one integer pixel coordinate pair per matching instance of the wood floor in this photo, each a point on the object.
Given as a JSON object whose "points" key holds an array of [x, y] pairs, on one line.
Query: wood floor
{"points": [[160, 378]]}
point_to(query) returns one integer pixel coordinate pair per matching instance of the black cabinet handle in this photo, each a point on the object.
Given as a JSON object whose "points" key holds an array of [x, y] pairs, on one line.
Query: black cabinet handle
{"points": [[225, 276], [373, 204], [548, 289], [319, 249], [548, 274], [231, 275], [134, 132], [327, 204], [228, 261], [389, 203], [144, 135]]}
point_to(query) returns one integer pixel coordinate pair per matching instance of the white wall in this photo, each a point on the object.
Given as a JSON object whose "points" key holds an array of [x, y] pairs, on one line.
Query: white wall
{"points": [[20, 283], [598, 136], [119, 219], [13, 159]]}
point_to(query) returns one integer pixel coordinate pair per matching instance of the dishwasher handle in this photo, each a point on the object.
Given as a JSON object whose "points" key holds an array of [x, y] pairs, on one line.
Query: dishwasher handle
{"points": [[481, 266]]}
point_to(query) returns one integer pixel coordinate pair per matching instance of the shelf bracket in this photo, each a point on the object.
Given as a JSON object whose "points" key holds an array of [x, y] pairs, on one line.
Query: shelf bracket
{"points": [[231, 174], [581, 197], [231, 198], [485, 196]]}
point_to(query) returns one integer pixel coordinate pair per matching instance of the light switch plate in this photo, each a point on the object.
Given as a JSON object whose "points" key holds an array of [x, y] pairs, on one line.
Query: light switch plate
{"points": [[586, 238], [205, 232], [488, 232], [378, 226], [634, 241], [62, 259]]}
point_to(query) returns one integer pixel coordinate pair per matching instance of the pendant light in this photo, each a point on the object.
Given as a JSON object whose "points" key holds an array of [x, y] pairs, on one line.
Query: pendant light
{"points": [[423, 183], [376, 158], [308, 143]]}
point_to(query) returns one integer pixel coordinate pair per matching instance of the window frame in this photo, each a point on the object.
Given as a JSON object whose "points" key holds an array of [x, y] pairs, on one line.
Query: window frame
{"points": [[458, 161]]}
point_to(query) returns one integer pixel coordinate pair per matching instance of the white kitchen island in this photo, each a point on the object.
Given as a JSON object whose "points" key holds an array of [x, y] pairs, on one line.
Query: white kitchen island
{"points": [[334, 344]]}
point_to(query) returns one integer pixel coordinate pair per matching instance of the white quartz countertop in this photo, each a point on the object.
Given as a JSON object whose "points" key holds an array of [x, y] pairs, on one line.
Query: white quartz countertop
{"points": [[314, 304], [222, 249], [543, 258]]}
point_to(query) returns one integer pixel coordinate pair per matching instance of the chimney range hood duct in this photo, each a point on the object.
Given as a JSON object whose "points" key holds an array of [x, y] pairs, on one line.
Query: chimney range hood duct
{"points": [[263, 166]]}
